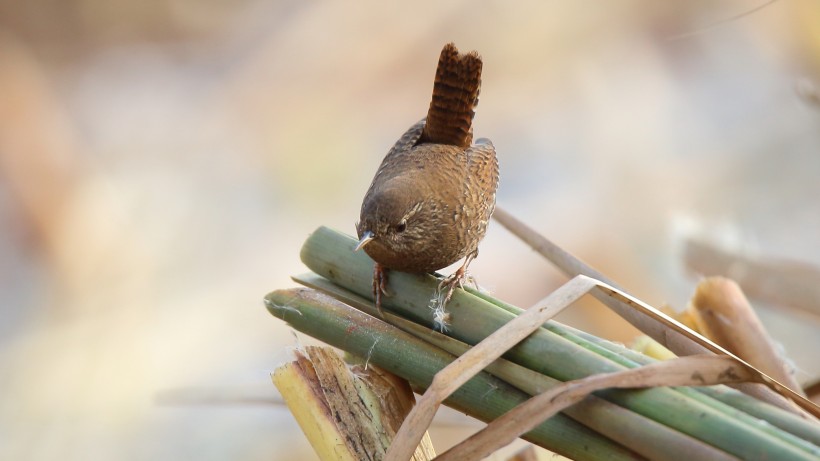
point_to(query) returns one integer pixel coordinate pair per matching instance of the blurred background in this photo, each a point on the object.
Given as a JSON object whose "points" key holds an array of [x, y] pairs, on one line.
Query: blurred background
{"points": [[162, 161]]}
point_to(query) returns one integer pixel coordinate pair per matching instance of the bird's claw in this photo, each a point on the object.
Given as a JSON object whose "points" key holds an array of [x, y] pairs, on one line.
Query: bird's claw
{"points": [[456, 279], [380, 286]]}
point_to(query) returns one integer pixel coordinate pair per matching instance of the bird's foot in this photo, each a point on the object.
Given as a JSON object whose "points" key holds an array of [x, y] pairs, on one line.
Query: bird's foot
{"points": [[455, 280], [379, 286], [445, 290]]}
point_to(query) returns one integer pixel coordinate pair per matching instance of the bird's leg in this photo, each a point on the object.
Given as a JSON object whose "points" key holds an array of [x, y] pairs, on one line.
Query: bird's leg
{"points": [[457, 278], [379, 285]]}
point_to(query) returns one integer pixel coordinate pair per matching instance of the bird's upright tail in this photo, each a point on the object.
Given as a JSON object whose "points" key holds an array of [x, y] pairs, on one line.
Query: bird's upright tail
{"points": [[455, 95]]}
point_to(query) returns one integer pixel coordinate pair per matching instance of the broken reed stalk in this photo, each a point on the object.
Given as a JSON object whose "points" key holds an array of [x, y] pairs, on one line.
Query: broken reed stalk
{"points": [[346, 412], [329, 254]]}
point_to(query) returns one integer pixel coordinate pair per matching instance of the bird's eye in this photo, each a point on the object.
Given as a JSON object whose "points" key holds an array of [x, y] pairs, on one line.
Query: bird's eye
{"points": [[400, 227]]}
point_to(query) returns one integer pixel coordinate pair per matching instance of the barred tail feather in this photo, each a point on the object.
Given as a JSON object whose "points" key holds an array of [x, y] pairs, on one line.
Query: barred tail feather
{"points": [[455, 95]]}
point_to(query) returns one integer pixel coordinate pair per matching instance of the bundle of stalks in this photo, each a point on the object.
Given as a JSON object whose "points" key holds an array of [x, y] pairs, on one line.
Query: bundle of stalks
{"points": [[599, 418]]}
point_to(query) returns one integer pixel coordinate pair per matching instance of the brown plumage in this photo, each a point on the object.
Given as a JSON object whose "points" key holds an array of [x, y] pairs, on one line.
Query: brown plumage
{"points": [[432, 197]]}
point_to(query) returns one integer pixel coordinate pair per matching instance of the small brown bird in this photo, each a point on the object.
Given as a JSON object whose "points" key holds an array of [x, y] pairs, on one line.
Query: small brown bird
{"points": [[433, 195]]}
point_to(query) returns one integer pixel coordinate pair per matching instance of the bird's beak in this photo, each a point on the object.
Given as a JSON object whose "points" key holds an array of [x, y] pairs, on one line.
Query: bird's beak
{"points": [[366, 238]]}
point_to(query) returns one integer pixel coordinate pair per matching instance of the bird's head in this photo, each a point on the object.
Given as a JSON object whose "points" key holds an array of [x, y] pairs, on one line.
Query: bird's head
{"points": [[392, 224]]}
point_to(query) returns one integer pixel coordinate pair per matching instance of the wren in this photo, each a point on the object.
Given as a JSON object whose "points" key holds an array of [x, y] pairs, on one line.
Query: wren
{"points": [[432, 197]]}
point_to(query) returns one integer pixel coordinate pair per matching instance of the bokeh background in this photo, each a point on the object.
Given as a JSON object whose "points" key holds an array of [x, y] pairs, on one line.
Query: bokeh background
{"points": [[161, 162]]}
